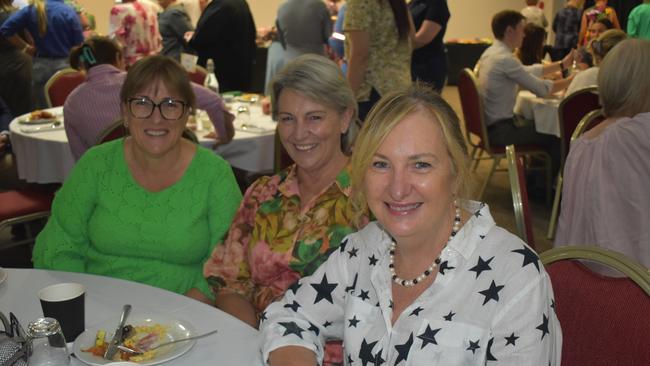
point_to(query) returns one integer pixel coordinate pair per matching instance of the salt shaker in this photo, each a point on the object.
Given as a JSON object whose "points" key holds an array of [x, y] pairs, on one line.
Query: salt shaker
{"points": [[48, 343]]}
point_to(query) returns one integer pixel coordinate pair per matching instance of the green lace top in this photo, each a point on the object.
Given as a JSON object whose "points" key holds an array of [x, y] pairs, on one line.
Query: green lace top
{"points": [[103, 222]]}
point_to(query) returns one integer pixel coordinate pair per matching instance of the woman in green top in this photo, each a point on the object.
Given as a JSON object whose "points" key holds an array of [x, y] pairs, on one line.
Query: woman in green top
{"points": [[149, 207]]}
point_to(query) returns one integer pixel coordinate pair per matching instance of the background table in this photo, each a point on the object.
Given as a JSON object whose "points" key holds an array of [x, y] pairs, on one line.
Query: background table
{"points": [[235, 344], [542, 110], [45, 157]]}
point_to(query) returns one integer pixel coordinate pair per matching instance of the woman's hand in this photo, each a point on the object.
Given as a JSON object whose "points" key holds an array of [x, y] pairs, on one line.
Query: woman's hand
{"points": [[237, 306], [292, 356]]}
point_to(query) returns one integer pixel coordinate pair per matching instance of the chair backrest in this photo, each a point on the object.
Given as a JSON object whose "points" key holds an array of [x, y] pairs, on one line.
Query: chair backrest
{"points": [[592, 119], [117, 130], [523, 217], [604, 319], [571, 110], [472, 105], [198, 75], [61, 84], [281, 158]]}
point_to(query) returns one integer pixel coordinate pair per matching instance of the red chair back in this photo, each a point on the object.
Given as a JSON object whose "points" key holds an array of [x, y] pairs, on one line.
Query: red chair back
{"points": [[198, 75], [471, 103], [113, 132], [572, 109], [604, 320], [61, 84]]}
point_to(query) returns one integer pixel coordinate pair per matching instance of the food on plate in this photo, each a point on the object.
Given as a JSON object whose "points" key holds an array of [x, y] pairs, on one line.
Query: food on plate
{"points": [[40, 114], [137, 337]]}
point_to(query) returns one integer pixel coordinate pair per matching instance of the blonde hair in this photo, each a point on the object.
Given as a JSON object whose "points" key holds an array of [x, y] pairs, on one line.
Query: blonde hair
{"points": [[624, 79], [39, 5], [605, 42], [6, 5], [387, 114]]}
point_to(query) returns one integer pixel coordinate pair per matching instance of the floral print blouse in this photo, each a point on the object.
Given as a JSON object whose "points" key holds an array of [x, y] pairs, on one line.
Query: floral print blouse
{"points": [[274, 240], [135, 26]]}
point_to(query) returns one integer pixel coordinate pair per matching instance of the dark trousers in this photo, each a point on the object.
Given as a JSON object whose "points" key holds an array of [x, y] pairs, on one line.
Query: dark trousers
{"points": [[365, 107]]}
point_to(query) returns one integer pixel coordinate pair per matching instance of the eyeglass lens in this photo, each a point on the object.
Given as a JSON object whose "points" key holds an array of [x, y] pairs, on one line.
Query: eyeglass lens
{"points": [[144, 107]]}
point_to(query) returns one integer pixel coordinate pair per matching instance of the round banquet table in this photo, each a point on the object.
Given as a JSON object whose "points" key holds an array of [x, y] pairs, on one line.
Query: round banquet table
{"points": [[542, 110], [45, 157], [235, 343]]}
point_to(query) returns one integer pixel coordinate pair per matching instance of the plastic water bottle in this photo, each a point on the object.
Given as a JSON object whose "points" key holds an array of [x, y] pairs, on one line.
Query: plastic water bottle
{"points": [[211, 81]]}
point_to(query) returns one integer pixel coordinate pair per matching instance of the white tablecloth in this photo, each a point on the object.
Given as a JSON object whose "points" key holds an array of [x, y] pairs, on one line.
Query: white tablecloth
{"points": [[236, 344], [45, 157], [542, 110]]}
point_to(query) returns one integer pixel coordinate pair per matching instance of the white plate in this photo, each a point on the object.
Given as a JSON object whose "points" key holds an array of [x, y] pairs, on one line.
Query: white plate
{"points": [[3, 275], [176, 330]]}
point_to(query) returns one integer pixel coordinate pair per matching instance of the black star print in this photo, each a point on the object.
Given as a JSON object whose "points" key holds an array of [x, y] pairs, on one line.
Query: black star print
{"points": [[313, 328], [403, 350], [481, 266], [478, 213], [353, 322], [293, 306], [350, 359], [353, 252], [378, 360], [553, 304], [473, 346], [343, 244], [512, 339], [327, 324], [365, 353], [544, 326], [449, 316], [263, 316], [445, 266], [354, 284], [294, 287], [491, 293], [490, 356], [292, 328], [373, 260], [529, 257], [416, 311], [324, 290], [429, 336], [482, 237], [364, 295], [391, 304]]}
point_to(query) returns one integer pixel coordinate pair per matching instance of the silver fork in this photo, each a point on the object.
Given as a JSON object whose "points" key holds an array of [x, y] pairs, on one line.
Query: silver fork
{"points": [[126, 349]]}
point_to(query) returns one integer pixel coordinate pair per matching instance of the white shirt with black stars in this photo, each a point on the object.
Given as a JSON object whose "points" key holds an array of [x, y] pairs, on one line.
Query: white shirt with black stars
{"points": [[491, 304]]}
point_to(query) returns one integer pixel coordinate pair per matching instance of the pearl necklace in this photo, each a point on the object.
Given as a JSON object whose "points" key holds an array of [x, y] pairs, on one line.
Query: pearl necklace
{"points": [[429, 270]]}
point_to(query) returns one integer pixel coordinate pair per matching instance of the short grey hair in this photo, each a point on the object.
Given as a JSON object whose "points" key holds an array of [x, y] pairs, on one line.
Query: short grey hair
{"points": [[624, 79], [321, 80]]}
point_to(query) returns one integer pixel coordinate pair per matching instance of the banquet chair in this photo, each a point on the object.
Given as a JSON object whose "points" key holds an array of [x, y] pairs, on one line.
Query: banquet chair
{"points": [[523, 217], [604, 319], [570, 111], [23, 206], [117, 130], [61, 84], [589, 121], [473, 115], [198, 75]]}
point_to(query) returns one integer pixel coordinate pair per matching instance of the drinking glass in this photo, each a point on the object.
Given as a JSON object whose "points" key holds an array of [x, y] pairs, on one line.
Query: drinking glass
{"points": [[48, 343]]}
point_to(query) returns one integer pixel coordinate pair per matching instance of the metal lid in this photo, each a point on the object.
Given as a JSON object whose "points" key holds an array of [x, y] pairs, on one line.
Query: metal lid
{"points": [[43, 327]]}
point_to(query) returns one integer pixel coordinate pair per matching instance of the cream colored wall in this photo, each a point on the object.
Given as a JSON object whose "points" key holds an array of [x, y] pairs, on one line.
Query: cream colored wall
{"points": [[469, 18]]}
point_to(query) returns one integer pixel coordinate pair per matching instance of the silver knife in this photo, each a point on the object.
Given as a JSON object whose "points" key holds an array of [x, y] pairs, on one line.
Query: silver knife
{"points": [[117, 337]]}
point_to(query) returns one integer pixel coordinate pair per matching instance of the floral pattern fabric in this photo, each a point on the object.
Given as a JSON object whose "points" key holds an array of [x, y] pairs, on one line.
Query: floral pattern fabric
{"points": [[274, 240], [135, 26], [593, 15]]}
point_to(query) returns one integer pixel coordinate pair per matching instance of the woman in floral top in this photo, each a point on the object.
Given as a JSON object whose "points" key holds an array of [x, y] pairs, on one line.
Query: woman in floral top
{"points": [[134, 24], [592, 15]]}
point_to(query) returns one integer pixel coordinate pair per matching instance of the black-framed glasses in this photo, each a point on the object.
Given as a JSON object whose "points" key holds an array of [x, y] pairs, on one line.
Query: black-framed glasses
{"points": [[170, 109]]}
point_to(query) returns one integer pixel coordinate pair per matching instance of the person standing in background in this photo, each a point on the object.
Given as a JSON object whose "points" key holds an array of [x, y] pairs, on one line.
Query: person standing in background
{"points": [[534, 14], [173, 23], [303, 26], [594, 14], [226, 34], [194, 8], [15, 70], [55, 29], [638, 22], [134, 24], [429, 60], [566, 26]]}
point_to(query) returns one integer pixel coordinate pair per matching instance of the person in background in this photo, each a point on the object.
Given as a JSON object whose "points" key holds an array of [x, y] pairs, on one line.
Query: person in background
{"points": [[289, 223], [194, 9], [173, 23], [134, 24], [55, 29], [95, 104], [86, 19], [148, 207], [534, 14], [531, 50], [337, 40], [599, 49], [638, 22], [591, 15], [610, 159], [15, 69], [303, 26], [566, 25], [429, 59], [378, 37], [226, 34], [500, 77], [596, 28], [433, 281]]}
